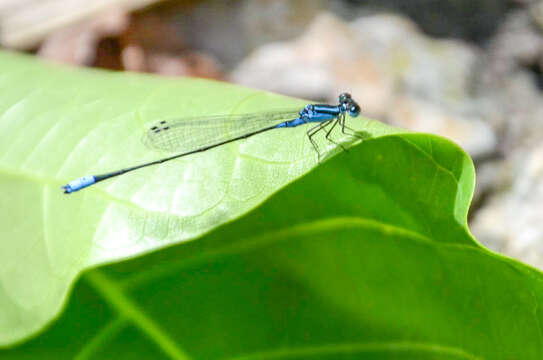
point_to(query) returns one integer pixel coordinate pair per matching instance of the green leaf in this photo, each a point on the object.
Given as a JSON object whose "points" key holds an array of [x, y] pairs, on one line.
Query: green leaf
{"points": [[306, 278], [58, 124], [367, 256]]}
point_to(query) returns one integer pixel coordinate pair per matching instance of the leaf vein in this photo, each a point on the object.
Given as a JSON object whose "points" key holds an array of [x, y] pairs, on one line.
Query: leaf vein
{"points": [[113, 294], [276, 236], [398, 347], [429, 156], [105, 334]]}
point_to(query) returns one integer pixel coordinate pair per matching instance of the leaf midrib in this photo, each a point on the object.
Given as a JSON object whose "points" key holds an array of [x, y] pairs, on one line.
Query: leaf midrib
{"points": [[353, 348]]}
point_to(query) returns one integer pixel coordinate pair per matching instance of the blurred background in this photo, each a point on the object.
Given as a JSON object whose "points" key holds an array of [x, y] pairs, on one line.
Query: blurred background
{"points": [[469, 70]]}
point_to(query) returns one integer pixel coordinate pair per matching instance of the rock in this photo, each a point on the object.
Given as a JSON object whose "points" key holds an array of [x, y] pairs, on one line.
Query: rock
{"points": [[523, 106], [78, 43], [517, 43], [189, 64], [464, 19], [471, 133], [536, 12], [317, 65], [510, 80], [146, 42], [512, 221], [26, 23], [494, 175], [230, 29]]}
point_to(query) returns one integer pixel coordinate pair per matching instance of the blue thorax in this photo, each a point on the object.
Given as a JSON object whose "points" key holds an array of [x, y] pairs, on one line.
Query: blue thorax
{"points": [[315, 113]]}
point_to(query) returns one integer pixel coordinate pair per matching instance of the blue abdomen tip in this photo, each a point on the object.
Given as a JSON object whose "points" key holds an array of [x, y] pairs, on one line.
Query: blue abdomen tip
{"points": [[79, 184]]}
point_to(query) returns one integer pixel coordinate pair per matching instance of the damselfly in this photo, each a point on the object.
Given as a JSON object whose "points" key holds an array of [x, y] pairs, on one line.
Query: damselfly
{"points": [[192, 135]]}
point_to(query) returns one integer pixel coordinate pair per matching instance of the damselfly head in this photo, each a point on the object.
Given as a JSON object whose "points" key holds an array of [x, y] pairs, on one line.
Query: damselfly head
{"points": [[344, 98], [354, 109], [347, 104]]}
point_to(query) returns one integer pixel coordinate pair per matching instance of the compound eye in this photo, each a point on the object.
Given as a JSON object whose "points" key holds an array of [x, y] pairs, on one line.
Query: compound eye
{"points": [[354, 110], [344, 97]]}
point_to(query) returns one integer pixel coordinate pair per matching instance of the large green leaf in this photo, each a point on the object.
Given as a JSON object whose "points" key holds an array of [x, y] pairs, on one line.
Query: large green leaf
{"points": [[367, 256], [309, 275], [57, 124]]}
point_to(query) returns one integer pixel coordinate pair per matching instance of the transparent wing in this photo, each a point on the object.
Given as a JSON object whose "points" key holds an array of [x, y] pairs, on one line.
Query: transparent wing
{"points": [[187, 134]]}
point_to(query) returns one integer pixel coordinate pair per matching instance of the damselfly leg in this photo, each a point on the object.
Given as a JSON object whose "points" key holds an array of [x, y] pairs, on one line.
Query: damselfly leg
{"points": [[330, 132], [351, 132], [314, 130]]}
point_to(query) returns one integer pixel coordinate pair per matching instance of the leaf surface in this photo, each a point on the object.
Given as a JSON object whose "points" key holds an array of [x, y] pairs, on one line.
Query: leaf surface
{"points": [[58, 123]]}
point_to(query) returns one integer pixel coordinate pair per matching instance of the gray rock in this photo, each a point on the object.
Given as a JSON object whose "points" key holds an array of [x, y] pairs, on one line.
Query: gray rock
{"points": [[536, 12], [518, 43], [230, 29], [470, 132], [507, 79], [512, 220]]}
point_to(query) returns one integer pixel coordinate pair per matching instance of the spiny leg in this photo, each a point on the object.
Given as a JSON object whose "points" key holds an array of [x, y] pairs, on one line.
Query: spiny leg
{"points": [[352, 131], [330, 131], [310, 135], [314, 130]]}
